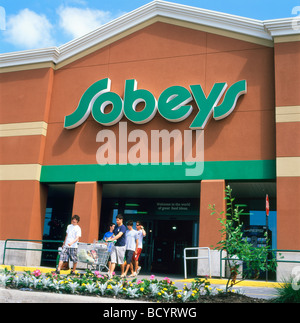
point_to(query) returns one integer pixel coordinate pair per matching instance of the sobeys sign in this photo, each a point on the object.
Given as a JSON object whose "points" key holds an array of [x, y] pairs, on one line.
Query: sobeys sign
{"points": [[172, 104]]}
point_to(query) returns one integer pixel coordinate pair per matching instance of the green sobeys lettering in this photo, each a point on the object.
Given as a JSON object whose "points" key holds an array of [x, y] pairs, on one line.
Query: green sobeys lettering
{"points": [[231, 96], [171, 105], [133, 97], [86, 103], [116, 113], [206, 105]]}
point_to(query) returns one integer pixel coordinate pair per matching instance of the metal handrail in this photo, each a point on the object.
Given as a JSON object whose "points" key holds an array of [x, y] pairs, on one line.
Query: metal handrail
{"points": [[270, 250], [186, 258], [28, 249]]}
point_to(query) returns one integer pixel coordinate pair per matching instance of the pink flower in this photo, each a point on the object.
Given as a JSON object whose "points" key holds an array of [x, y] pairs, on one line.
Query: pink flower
{"points": [[139, 282], [168, 280], [152, 276], [37, 273]]}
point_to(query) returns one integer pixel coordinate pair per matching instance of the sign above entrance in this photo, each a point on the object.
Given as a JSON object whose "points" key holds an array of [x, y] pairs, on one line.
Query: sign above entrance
{"points": [[172, 104]]}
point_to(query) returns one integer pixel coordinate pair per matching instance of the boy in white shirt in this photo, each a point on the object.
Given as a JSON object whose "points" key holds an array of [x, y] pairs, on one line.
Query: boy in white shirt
{"points": [[70, 245], [131, 246]]}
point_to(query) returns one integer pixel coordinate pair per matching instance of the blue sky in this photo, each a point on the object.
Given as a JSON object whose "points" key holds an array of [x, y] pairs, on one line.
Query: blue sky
{"points": [[34, 24]]}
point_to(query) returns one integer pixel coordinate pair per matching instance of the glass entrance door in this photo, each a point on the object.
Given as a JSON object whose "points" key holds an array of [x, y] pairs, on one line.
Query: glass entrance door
{"points": [[170, 239]]}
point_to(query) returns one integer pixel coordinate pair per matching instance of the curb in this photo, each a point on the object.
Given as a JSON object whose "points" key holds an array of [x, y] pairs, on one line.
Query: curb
{"points": [[43, 270], [249, 283]]}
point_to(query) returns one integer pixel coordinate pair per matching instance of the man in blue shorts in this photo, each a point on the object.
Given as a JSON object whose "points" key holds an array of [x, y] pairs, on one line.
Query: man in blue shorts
{"points": [[118, 250]]}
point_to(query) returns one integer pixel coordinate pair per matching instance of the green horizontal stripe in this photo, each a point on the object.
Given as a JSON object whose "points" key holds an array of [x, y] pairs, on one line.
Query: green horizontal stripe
{"points": [[228, 170]]}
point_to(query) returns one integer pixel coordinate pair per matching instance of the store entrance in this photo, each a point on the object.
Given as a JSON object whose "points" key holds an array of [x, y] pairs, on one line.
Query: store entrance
{"points": [[169, 213], [164, 244], [170, 239]]}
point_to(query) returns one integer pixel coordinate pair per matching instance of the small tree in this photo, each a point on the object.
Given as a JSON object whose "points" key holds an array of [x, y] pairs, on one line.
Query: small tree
{"points": [[237, 247]]}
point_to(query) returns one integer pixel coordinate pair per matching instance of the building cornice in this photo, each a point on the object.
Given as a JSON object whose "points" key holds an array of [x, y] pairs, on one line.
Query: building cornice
{"points": [[282, 27], [51, 54], [265, 30]]}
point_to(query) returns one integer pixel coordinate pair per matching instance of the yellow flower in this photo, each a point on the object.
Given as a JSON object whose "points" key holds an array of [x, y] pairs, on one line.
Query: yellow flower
{"points": [[179, 295], [141, 289], [159, 294], [109, 287], [165, 289], [83, 284]]}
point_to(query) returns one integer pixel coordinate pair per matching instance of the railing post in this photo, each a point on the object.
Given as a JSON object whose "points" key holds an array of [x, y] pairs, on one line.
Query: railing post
{"points": [[4, 252], [209, 262], [184, 259], [221, 264], [196, 248]]}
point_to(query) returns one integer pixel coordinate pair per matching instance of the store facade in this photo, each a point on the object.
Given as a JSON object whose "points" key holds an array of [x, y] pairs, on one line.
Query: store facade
{"points": [[151, 116]]}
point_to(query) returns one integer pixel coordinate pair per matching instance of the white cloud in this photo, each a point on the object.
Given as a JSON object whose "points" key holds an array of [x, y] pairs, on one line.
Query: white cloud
{"points": [[29, 30], [78, 22]]}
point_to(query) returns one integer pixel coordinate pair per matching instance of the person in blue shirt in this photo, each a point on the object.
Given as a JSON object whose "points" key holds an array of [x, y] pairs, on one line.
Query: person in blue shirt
{"points": [[118, 250], [109, 233]]}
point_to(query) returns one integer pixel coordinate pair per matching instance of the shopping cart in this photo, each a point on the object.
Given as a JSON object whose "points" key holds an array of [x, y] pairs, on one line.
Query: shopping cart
{"points": [[102, 250], [96, 255]]}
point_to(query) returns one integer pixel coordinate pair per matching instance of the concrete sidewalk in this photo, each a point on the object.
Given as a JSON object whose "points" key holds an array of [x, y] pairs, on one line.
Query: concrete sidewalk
{"points": [[20, 296]]}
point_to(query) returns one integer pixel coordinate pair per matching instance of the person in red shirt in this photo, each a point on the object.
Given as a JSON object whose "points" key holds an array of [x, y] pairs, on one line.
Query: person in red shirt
{"points": [[135, 258]]}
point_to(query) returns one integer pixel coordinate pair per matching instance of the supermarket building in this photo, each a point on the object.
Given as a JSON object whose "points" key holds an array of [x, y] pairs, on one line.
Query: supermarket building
{"points": [[151, 116]]}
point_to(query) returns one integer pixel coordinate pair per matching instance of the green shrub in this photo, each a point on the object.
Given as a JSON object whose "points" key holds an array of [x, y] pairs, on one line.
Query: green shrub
{"points": [[255, 259], [288, 292]]}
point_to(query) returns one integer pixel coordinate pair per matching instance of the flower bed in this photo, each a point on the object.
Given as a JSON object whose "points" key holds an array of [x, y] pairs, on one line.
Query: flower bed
{"points": [[95, 284]]}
